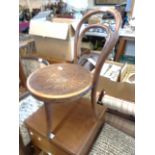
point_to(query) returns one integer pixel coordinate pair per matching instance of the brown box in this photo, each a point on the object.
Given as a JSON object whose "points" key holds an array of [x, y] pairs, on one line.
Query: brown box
{"points": [[121, 90], [128, 74], [54, 39]]}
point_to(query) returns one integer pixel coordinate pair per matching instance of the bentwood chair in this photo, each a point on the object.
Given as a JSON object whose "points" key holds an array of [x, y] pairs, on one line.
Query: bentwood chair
{"points": [[64, 82], [111, 39]]}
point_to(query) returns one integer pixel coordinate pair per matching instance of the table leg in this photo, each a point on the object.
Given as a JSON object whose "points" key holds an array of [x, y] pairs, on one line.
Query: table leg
{"points": [[120, 49], [48, 111], [22, 74]]}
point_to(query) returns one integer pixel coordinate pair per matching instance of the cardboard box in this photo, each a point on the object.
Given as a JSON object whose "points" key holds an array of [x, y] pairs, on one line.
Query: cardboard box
{"points": [[121, 90], [111, 70], [128, 74], [54, 39]]}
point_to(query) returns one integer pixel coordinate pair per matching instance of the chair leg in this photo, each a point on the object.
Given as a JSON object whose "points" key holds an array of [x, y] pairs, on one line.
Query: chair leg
{"points": [[48, 111]]}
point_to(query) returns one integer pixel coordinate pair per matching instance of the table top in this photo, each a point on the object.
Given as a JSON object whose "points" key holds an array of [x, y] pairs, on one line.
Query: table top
{"points": [[59, 81], [123, 32], [127, 33]]}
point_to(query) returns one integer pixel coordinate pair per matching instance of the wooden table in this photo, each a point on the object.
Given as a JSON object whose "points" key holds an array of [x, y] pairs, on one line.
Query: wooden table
{"points": [[26, 43], [75, 128], [58, 83], [123, 38]]}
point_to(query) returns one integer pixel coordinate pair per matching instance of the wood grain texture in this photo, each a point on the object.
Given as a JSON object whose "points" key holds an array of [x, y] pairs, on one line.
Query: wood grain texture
{"points": [[57, 82], [120, 47], [124, 91], [22, 75], [75, 128], [111, 39]]}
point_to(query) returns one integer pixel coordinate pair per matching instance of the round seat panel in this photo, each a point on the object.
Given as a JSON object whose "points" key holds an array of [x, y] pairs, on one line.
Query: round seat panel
{"points": [[59, 81]]}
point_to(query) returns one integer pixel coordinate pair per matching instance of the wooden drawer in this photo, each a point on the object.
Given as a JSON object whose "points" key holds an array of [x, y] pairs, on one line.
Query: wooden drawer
{"points": [[44, 144], [74, 125]]}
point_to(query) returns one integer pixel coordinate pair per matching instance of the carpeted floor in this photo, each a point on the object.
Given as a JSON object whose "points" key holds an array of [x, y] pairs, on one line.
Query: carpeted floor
{"points": [[112, 141]]}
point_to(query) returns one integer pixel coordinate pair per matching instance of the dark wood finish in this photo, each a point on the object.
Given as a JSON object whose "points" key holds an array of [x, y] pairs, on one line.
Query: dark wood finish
{"points": [[120, 48], [22, 148], [22, 75], [74, 125], [111, 40], [24, 46], [49, 117], [59, 83], [24, 95], [29, 48]]}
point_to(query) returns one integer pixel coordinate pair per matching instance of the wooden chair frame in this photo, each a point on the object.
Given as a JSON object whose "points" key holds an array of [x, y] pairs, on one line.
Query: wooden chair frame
{"points": [[111, 40]]}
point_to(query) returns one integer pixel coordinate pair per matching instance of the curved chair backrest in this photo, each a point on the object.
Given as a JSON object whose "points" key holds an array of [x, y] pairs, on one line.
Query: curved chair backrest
{"points": [[111, 39]]}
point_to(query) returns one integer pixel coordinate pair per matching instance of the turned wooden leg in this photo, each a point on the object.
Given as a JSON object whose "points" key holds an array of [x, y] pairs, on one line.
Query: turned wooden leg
{"points": [[120, 49], [48, 111], [22, 75]]}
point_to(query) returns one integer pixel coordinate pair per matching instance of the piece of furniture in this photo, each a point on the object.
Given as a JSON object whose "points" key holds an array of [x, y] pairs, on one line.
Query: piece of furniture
{"points": [[74, 126], [125, 35], [22, 77], [67, 83], [22, 149], [27, 106], [28, 61], [119, 98], [29, 64], [103, 143], [26, 46], [122, 42], [59, 83]]}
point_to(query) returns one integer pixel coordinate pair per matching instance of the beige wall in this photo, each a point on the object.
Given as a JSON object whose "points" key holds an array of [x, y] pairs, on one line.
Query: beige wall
{"points": [[34, 3], [38, 3]]}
